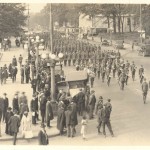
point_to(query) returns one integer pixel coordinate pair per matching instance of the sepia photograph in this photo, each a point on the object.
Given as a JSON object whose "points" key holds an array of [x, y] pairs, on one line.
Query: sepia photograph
{"points": [[74, 74]]}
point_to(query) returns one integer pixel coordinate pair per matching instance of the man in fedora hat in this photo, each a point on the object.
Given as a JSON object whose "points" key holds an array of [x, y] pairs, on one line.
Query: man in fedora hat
{"points": [[8, 115], [42, 136], [92, 102], [5, 105], [14, 123], [99, 104]]}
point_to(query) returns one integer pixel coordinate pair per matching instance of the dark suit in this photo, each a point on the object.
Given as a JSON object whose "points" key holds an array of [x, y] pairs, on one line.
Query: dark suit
{"points": [[43, 107], [43, 138], [92, 102], [14, 124], [7, 117], [5, 106], [81, 103], [15, 104]]}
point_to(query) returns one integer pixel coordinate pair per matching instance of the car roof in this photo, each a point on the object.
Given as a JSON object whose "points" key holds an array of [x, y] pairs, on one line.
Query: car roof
{"points": [[76, 75]]}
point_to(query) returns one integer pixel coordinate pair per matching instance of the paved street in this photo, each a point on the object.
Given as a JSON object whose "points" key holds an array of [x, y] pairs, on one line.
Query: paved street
{"points": [[130, 117]]}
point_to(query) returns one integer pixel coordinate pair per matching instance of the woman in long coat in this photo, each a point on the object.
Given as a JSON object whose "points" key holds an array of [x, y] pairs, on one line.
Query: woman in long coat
{"points": [[26, 126], [49, 113], [61, 120]]}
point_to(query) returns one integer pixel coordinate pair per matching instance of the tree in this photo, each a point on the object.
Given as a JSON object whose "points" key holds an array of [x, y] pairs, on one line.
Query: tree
{"points": [[12, 19]]}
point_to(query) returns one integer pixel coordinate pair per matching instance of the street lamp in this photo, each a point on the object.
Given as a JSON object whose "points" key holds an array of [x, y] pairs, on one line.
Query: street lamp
{"points": [[52, 63]]}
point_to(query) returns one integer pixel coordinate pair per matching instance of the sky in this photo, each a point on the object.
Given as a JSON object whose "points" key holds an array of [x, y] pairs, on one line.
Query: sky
{"points": [[36, 7]]}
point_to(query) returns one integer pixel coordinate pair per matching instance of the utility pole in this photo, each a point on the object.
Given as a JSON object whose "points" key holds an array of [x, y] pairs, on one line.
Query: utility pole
{"points": [[141, 23], [28, 34], [53, 63]]}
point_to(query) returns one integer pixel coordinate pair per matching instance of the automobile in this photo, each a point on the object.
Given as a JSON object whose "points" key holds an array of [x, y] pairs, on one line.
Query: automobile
{"points": [[74, 81], [105, 43], [119, 44], [145, 49]]}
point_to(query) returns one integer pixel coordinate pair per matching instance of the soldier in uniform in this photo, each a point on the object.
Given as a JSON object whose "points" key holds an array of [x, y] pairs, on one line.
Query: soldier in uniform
{"points": [[144, 90], [133, 70]]}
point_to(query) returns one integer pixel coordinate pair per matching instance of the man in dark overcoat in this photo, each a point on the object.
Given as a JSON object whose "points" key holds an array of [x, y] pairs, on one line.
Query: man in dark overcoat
{"points": [[49, 112], [81, 102], [15, 103], [14, 123], [61, 120], [8, 115], [92, 102], [5, 105]]}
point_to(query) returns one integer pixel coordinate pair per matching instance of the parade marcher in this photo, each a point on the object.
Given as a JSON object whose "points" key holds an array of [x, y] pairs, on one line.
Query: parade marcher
{"points": [[92, 102], [105, 116], [14, 124], [5, 105], [22, 74], [9, 113], [133, 70], [26, 126], [81, 102], [122, 80], [108, 106], [20, 59], [61, 120], [42, 136], [144, 90], [84, 123], [49, 113], [15, 103], [108, 80]]}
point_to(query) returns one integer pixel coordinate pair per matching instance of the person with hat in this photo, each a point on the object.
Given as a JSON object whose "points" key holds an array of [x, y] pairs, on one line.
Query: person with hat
{"points": [[22, 74], [33, 109], [61, 123], [4, 105], [23, 99], [26, 126], [49, 112], [34, 84], [92, 102], [81, 102], [15, 103], [42, 136], [14, 124], [144, 90], [108, 106], [99, 104], [8, 115], [20, 59], [105, 118]]}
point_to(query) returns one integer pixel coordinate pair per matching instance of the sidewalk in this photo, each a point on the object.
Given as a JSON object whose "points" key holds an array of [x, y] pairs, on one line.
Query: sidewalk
{"points": [[52, 132]]}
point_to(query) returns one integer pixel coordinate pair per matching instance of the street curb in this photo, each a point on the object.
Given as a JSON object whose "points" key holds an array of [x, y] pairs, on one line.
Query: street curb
{"points": [[21, 138]]}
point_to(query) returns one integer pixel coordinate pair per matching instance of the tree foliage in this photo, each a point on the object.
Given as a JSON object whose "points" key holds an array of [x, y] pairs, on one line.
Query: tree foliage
{"points": [[12, 18]]}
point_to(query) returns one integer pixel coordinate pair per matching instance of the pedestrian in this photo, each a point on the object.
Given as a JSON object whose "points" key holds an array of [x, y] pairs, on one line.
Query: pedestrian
{"points": [[49, 113], [42, 136], [68, 120], [23, 108], [15, 103], [9, 113], [105, 117], [99, 119], [14, 123], [144, 90], [92, 102], [61, 120], [26, 126], [14, 71], [132, 46], [22, 74], [43, 101], [14, 61], [34, 84], [20, 59], [84, 123], [23, 99], [108, 80], [33, 109], [99, 104], [5, 105], [81, 102]]}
